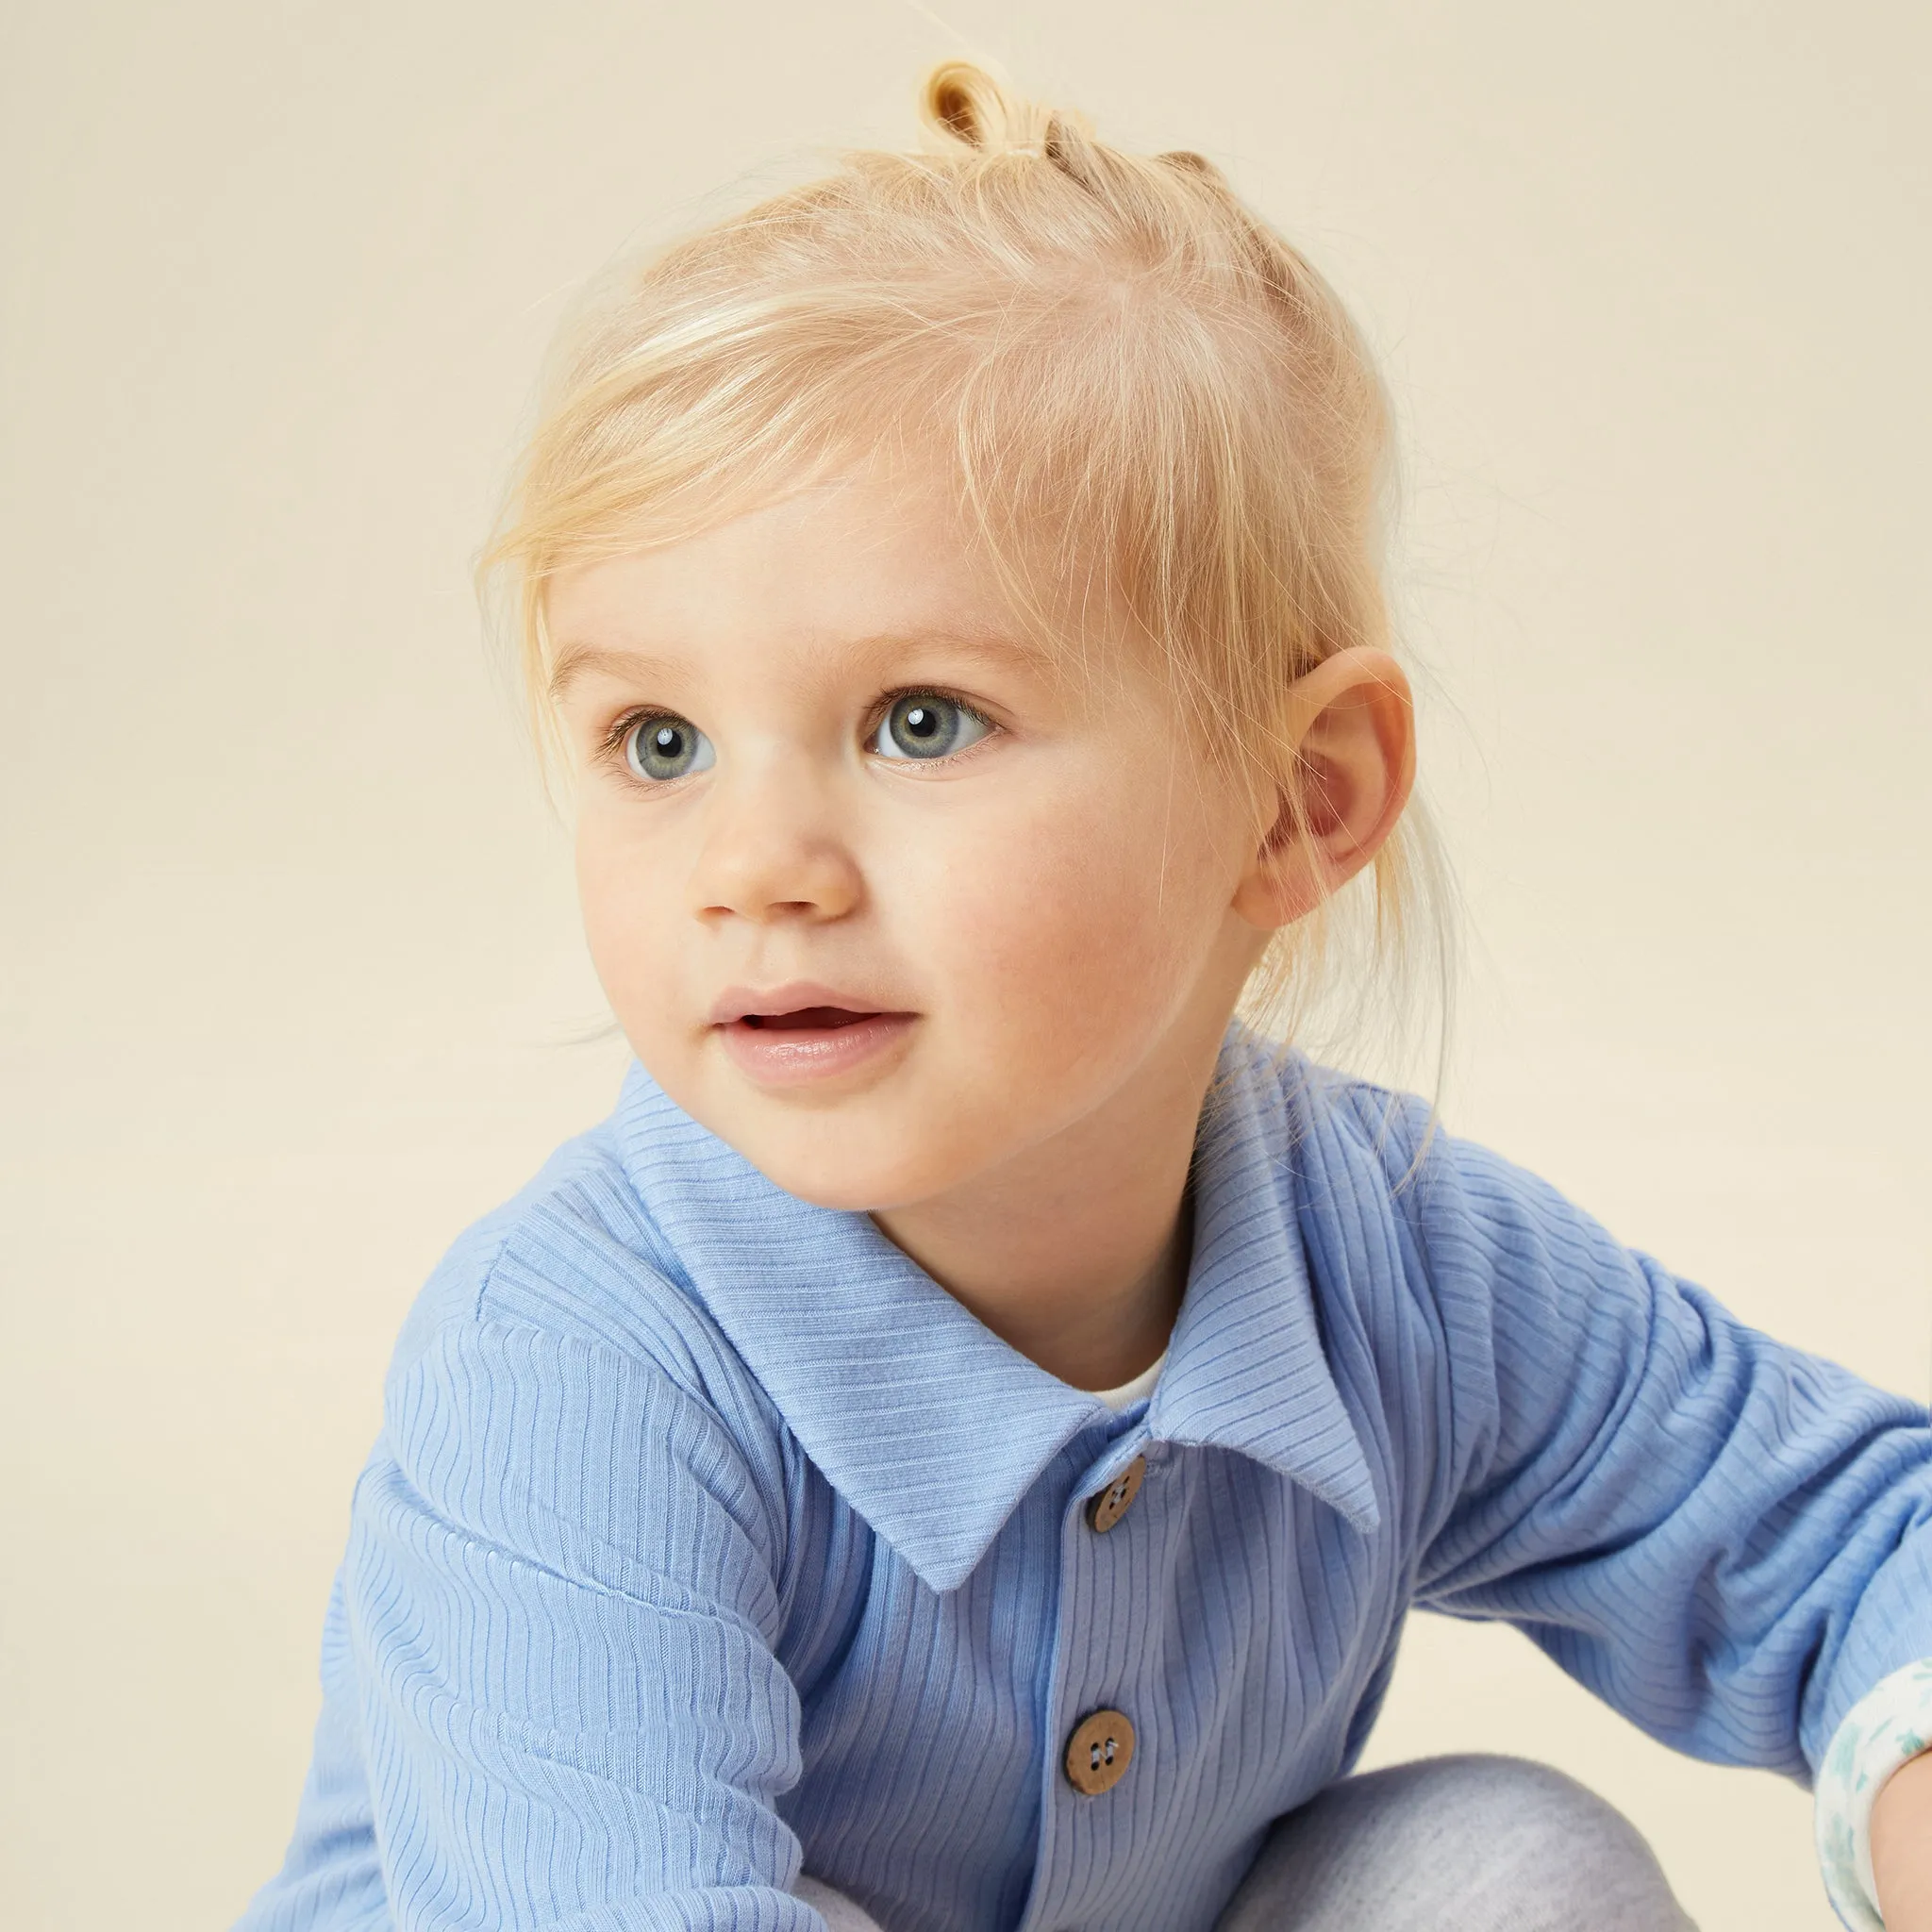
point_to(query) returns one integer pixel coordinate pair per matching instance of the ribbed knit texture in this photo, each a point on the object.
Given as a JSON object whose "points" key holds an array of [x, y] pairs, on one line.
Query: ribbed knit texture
{"points": [[705, 1534]]}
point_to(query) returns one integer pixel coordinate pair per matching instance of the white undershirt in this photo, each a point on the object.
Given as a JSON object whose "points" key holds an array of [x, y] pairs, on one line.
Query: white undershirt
{"points": [[1130, 1392]]}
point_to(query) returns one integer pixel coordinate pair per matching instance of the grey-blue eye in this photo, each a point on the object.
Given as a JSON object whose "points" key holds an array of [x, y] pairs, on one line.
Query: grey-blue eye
{"points": [[666, 748], [923, 724]]}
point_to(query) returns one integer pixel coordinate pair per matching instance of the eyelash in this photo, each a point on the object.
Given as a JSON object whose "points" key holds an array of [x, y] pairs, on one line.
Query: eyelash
{"points": [[882, 707], [610, 748]]}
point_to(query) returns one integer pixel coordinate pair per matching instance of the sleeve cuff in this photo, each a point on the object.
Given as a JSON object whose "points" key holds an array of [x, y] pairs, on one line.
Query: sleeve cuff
{"points": [[1890, 1725]]}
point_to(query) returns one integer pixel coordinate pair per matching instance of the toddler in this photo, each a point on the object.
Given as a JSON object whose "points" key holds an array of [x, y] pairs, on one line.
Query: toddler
{"points": [[953, 1452]]}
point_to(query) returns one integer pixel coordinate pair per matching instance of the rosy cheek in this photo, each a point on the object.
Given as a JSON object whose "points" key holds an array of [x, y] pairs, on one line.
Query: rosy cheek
{"points": [[1064, 933], [626, 944]]}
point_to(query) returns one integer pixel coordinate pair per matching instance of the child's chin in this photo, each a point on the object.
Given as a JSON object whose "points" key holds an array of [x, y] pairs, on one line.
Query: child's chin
{"points": [[868, 1152], [850, 1188], [836, 1163]]}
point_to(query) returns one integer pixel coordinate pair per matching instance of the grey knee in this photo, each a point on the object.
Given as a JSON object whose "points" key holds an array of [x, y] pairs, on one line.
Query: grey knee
{"points": [[1457, 1844]]}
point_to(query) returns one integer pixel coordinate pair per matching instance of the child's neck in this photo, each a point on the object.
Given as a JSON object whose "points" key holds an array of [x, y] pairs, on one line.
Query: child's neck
{"points": [[1075, 1254]]}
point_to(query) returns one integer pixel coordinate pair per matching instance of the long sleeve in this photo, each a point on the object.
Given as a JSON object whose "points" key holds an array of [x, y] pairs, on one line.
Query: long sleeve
{"points": [[332, 1876], [1726, 1538], [553, 1699]]}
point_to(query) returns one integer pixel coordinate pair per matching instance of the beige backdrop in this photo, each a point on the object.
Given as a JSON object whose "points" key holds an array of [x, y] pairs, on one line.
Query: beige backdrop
{"points": [[294, 985]]}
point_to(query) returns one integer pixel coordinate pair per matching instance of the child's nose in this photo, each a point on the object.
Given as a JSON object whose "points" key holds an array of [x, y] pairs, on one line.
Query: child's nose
{"points": [[771, 851]]}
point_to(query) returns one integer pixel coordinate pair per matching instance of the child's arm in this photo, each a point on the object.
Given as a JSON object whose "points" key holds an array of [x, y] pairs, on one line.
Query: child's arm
{"points": [[555, 1694], [1727, 1540]]}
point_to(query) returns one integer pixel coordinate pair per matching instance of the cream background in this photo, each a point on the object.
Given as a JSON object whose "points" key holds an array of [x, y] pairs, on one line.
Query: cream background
{"points": [[293, 987]]}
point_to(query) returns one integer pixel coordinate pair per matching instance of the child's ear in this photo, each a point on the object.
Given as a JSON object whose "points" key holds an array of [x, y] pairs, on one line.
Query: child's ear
{"points": [[1351, 733]]}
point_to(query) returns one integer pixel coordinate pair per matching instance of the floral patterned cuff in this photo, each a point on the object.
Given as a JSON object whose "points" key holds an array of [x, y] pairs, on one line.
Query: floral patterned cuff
{"points": [[1889, 1725]]}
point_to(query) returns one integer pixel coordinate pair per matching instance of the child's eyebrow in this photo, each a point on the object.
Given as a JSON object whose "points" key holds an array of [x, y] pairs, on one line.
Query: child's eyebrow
{"points": [[992, 646], [576, 661]]}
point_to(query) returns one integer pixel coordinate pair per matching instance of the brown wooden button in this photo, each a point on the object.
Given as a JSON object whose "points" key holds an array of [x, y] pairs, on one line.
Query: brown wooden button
{"points": [[1106, 1509], [1099, 1752]]}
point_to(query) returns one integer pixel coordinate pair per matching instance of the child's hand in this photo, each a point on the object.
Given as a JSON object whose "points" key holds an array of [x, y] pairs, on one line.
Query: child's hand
{"points": [[1902, 1847]]}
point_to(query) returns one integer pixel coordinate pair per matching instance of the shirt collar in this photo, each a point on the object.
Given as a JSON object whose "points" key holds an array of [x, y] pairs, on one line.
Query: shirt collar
{"points": [[928, 1425]]}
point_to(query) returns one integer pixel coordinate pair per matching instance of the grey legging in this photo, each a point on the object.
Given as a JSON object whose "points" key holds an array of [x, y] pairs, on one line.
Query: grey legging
{"points": [[1446, 1845]]}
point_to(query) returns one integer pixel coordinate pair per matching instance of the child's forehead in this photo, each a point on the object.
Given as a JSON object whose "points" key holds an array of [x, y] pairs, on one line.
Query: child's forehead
{"points": [[869, 565], [838, 556]]}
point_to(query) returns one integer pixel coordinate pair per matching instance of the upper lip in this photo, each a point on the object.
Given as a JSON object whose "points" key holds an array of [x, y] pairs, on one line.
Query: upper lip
{"points": [[736, 1002]]}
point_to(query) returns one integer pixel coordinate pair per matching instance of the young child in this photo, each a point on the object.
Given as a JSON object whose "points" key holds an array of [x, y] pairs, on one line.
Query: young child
{"points": [[970, 1426]]}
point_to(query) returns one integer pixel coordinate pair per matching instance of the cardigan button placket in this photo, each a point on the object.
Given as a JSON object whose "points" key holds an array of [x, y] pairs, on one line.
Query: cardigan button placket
{"points": [[1106, 1656]]}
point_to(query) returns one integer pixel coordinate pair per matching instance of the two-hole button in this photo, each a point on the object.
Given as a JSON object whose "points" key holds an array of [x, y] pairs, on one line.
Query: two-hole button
{"points": [[1112, 1502], [1099, 1752]]}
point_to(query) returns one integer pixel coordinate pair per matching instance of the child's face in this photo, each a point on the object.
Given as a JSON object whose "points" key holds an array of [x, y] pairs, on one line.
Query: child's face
{"points": [[876, 896]]}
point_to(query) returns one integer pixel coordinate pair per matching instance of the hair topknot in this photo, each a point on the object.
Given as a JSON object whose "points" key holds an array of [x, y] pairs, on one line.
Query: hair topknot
{"points": [[968, 108], [965, 104]]}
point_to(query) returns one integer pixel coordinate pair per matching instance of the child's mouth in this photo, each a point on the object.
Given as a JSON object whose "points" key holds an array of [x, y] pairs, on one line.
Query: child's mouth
{"points": [[809, 1043], [806, 1018]]}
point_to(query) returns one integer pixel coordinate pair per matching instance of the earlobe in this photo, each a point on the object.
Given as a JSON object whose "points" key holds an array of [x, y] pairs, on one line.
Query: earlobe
{"points": [[1351, 735]]}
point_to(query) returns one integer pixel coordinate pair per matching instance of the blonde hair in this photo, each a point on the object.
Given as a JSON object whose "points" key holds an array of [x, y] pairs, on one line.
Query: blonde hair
{"points": [[1149, 402]]}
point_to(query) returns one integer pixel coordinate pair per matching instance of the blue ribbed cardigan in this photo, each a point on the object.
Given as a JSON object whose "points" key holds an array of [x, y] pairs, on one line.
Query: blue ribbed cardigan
{"points": [[708, 1538]]}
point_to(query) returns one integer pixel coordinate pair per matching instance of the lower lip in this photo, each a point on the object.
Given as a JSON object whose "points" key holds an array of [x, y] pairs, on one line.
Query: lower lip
{"points": [[798, 1056]]}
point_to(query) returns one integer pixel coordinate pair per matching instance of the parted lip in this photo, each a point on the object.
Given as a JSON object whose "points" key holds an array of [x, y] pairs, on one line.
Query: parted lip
{"points": [[740, 1002]]}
